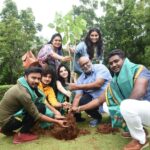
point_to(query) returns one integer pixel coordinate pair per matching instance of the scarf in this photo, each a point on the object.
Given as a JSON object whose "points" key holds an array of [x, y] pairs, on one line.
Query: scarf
{"points": [[119, 89]]}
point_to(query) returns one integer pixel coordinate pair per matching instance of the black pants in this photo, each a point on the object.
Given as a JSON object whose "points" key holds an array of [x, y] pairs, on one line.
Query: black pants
{"points": [[86, 98], [26, 124]]}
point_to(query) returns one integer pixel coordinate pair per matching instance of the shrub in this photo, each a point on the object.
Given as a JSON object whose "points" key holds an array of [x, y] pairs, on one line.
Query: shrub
{"points": [[3, 89]]}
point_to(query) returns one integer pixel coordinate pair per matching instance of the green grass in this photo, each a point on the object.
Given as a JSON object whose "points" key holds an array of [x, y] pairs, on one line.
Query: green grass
{"points": [[93, 141]]}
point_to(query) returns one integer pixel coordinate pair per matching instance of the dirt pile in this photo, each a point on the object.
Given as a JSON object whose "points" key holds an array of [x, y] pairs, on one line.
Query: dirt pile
{"points": [[106, 128], [69, 133], [84, 132]]}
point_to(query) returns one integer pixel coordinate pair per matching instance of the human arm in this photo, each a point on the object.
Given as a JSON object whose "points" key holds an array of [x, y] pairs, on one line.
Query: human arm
{"points": [[139, 89], [55, 111], [59, 57], [54, 102], [62, 89], [45, 118], [93, 85], [141, 84], [76, 99], [30, 107], [92, 104], [52, 99]]}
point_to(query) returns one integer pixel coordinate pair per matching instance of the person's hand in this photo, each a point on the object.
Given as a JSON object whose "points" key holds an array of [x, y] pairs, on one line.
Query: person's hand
{"points": [[68, 94], [66, 58], [62, 123], [72, 86], [66, 105], [59, 117], [72, 50], [75, 109]]}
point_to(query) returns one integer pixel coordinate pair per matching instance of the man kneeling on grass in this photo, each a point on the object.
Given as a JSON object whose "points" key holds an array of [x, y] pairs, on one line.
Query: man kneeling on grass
{"points": [[24, 96], [128, 99]]}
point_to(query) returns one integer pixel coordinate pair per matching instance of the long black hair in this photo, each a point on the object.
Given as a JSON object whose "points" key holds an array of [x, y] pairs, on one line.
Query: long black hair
{"points": [[90, 45], [52, 38], [62, 80]]}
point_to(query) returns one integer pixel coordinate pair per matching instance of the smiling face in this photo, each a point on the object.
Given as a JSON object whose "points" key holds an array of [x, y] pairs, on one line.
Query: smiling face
{"points": [[94, 37], [56, 42], [33, 79], [46, 79], [63, 72], [85, 64], [115, 63]]}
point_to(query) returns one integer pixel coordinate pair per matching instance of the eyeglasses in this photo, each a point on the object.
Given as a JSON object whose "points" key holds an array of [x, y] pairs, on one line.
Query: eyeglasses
{"points": [[86, 63]]}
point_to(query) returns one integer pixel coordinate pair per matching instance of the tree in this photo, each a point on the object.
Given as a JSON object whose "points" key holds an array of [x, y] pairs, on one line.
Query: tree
{"points": [[126, 25], [17, 35], [87, 10], [71, 27]]}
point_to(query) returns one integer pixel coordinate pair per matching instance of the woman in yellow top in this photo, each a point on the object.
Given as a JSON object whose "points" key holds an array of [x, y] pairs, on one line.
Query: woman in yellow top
{"points": [[46, 87]]}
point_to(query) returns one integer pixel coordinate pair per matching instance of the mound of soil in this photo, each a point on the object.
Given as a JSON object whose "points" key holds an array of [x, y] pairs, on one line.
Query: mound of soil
{"points": [[106, 128], [84, 132], [69, 133]]}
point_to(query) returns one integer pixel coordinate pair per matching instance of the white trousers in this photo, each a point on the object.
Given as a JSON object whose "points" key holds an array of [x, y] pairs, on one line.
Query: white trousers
{"points": [[136, 114], [105, 108]]}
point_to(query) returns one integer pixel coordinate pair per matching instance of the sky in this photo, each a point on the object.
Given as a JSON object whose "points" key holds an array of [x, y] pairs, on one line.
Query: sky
{"points": [[44, 11]]}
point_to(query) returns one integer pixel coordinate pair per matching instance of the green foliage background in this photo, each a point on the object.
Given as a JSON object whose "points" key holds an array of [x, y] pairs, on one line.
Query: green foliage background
{"points": [[125, 24]]}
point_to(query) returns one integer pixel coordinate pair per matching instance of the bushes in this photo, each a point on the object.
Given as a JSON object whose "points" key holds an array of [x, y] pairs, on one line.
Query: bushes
{"points": [[3, 89]]}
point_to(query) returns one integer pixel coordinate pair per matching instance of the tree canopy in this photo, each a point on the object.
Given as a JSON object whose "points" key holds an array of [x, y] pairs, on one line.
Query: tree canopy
{"points": [[125, 24], [17, 35]]}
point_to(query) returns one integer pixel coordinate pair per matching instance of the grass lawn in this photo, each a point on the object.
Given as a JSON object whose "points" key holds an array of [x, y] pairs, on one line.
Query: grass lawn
{"points": [[93, 141]]}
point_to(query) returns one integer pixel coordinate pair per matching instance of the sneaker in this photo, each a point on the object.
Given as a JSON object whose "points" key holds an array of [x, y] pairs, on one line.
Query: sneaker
{"points": [[24, 137], [94, 122], [135, 145]]}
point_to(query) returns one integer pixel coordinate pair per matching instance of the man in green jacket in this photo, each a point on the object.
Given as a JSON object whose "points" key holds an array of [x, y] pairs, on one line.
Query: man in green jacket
{"points": [[24, 97]]}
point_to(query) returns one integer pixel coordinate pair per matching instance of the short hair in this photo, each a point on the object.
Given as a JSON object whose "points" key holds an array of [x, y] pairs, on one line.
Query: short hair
{"points": [[118, 52], [33, 70], [48, 70]]}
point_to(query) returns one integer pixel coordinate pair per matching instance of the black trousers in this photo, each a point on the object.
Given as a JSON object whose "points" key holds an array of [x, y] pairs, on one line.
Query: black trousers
{"points": [[26, 124], [86, 98]]}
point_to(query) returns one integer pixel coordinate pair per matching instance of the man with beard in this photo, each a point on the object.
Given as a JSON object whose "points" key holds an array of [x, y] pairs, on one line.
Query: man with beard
{"points": [[90, 85], [128, 99], [24, 97]]}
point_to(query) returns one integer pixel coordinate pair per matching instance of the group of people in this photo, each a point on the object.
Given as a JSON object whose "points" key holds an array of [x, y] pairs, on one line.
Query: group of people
{"points": [[45, 93]]}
